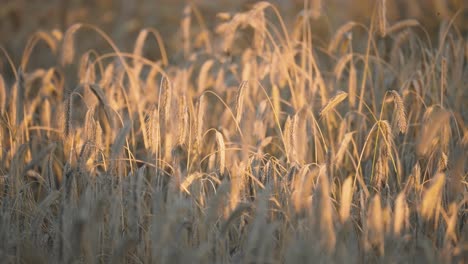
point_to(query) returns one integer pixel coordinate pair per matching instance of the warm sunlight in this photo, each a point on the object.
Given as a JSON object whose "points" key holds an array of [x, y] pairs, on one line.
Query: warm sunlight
{"points": [[304, 131]]}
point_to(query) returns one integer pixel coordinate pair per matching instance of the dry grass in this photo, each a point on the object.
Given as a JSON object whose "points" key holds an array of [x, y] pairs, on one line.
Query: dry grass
{"points": [[236, 150]]}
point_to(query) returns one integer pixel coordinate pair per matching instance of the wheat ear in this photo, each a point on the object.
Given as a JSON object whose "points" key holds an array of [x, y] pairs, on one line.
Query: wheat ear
{"points": [[336, 100]]}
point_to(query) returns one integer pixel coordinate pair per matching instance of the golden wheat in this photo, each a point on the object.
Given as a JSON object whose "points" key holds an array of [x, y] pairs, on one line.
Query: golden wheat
{"points": [[230, 147], [333, 102]]}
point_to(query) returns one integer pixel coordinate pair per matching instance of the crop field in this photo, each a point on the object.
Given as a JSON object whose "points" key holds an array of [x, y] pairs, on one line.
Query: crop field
{"points": [[209, 132]]}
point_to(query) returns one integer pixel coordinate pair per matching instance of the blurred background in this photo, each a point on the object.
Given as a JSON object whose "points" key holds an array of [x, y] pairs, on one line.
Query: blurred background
{"points": [[123, 19]]}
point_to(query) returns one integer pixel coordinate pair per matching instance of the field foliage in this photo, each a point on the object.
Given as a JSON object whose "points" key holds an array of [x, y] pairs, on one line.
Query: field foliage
{"points": [[255, 141]]}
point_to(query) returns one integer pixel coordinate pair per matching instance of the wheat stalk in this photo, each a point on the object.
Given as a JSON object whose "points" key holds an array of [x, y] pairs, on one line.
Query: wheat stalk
{"points": [[341, 64], [401, 25], [443, 80], [352, 85], [396, 47], [202, 106], [20, 94]]}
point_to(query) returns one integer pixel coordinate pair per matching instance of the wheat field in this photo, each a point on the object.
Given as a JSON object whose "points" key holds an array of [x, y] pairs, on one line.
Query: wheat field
{"points": [[255, 142]]}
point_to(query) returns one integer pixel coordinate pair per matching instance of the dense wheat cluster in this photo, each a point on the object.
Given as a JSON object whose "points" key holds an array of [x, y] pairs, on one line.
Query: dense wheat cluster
{"points": [[256, 143]]}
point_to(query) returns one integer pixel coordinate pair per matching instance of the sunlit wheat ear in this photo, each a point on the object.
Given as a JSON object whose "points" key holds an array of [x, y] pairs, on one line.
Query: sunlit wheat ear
{"points": [[152, 124], [346, 199], [352, 85], [68, 45], [339, 36], [387, 135], [240, 100], [433, 197], [326, 219], [432, 125], [340, 154], [376, 225], [288, 136], [46, 113], [2, 95], [400, 112], [237, 185], [89, 125], [221, 152], [401, 214], [187, 181], [416, 172], [443, 162], [302, 187], [336, 100], [166, 87], [164, 108], [382, 17], [381, 170], [294, 137], [276, 98]]}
